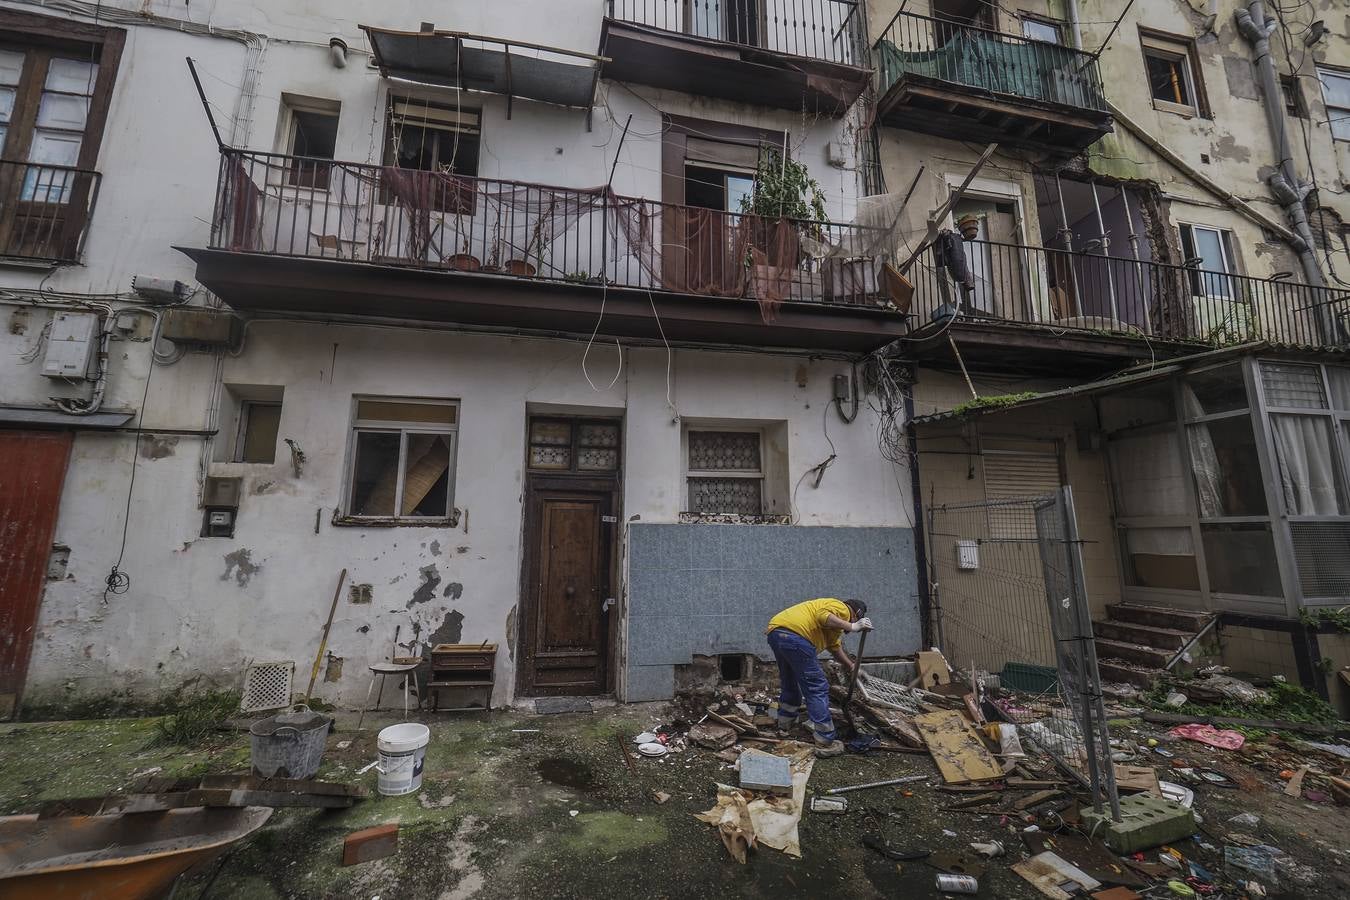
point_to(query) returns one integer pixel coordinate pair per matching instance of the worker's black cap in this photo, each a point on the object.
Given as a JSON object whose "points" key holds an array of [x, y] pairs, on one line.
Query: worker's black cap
{"points": [[859, 608]]}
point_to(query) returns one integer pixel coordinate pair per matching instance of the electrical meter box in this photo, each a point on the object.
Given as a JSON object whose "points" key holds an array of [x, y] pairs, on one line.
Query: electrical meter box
{"points": [[70, 344]]}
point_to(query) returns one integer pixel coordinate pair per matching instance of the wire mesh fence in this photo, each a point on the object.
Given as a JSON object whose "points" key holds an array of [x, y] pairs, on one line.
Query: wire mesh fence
{"points": [[1009, 600]]}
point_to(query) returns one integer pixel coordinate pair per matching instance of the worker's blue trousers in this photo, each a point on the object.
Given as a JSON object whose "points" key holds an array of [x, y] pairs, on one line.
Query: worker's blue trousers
{"points": [[801, 680]]}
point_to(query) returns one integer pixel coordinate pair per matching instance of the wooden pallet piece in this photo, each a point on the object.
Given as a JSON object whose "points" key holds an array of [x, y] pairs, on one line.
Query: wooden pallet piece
{"points": [[956, 748]]}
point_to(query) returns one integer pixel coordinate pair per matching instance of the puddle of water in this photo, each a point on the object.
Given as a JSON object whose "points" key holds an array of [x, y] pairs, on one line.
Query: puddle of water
{"points": [[567, 772]]}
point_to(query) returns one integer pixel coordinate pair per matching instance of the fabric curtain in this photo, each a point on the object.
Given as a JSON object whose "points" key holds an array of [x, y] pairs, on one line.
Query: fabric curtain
{"points": [[1303, 446], [1204, 458]]}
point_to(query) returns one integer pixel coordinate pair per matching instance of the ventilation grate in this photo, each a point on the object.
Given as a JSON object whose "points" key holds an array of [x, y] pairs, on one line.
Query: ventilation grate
{"points": [[267, 686], [1322, 553]]}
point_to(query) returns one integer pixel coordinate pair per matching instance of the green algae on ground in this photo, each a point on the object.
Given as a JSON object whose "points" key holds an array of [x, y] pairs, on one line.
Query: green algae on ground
{"points": [[613, 832]]}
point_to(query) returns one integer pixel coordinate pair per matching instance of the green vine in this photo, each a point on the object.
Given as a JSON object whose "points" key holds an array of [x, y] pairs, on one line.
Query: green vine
{"points": [[784, 189], [1337, 618]]}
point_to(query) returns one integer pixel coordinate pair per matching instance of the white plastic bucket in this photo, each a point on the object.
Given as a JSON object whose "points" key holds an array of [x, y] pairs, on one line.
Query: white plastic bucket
{"points": [[403, 750]]}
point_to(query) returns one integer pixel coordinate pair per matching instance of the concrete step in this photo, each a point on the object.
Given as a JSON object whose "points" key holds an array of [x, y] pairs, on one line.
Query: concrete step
{"points": [[1140, 654], [1186, 620], [1118, 670], [1152, 636]]}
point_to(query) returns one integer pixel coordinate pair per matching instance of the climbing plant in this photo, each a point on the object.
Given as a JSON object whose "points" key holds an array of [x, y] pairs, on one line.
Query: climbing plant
{"points": [[784, 189]]}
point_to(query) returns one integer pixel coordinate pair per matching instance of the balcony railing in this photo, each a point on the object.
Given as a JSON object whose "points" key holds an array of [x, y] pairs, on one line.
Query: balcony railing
{"points": [[956, 53], [45, 211], [320, 209], [1009, 283], [830, 30]]}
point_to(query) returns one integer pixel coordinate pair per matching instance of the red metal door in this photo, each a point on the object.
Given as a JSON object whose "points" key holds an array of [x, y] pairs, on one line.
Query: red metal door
{"points": [[32, 469]]}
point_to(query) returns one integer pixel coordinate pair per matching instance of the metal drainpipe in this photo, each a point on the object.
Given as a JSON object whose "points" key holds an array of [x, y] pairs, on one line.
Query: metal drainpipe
{"points": [[1075, 31], [1257, 27]]}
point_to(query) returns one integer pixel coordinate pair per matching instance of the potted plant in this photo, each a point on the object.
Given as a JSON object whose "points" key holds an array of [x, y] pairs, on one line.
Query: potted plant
{"points": [[783, 189], [969, 226]]}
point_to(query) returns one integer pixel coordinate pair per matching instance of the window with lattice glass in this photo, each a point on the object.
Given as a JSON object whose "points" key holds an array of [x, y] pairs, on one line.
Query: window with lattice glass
{"points": [[726, 472], [570, 445]]}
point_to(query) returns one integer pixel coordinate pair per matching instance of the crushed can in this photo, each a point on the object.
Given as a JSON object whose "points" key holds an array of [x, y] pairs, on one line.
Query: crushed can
{"points": [[833, 805], [957, 884]]}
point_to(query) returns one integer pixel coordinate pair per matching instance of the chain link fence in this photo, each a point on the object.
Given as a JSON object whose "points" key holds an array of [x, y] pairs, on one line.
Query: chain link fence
{"points": [[1008, 600]]}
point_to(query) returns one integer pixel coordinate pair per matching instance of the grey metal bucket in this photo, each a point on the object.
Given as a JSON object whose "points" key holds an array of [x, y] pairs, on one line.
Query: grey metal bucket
{"points": [[289, 744]]}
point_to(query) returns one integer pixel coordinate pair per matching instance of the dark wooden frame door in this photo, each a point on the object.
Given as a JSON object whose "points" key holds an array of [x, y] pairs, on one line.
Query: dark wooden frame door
{"points": [[30, 496], [566, 622]]}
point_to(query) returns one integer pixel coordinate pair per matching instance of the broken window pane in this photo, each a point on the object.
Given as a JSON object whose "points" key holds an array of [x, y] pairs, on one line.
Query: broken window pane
{"points": [[426, 479], [375, 473], [1214, 391], [1240, 559], [1226, 468], [1161, 558]]}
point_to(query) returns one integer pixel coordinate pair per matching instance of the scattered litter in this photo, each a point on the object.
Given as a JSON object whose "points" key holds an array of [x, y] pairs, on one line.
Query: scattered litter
{"points": [[1335, 749], [660, 797], [1235, 689], [343, 745], [1258, 860], [949, 833], [713, 736], [1208, 734], [370, 844], [1245, 820], [653, 749], [524, 730], [1295, 786], [988, 850], [731, 816], [1255, 888], [1176, 700], [367, 767], [762, 771], [1047, 871], [1180, 888], [573, 812], [908, 779], [831, 805], [647, 737], [956, 748], [958, 884], [886, 850]]}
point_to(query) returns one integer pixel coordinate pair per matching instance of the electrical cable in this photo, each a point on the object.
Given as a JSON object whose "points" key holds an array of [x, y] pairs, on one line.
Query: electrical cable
{"points": [[117, 581], [604, 279]]}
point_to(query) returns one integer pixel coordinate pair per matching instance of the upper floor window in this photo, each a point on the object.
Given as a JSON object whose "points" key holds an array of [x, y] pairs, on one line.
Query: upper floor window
{"points": [[1173, 74], [310, 133], [55, 87], [1211, 255], [1293, 97], [432, 138], [1038, 29], [1336, 93], [402, 459]]}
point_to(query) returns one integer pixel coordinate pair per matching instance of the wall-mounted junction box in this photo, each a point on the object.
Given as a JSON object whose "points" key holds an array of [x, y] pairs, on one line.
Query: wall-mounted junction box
{"points": [[70, 344]]}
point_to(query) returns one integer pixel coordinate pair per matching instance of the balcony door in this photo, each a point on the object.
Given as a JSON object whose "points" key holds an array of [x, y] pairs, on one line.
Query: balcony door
{"points": [[733, 21]]}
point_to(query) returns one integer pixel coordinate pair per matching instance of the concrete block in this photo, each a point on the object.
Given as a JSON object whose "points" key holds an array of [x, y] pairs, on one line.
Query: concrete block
{"points": [[370, 844], [1146, 821], [765, 772]]}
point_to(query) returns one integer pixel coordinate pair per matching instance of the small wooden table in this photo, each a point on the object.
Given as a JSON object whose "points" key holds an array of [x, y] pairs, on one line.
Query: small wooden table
{"points": [[466, 670]]}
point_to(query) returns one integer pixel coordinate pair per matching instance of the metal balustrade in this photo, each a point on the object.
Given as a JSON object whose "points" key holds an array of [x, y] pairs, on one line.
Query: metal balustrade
{"points": [[1011, 283], [45, 210], [830, 30], [291, 206], [985, 60]]}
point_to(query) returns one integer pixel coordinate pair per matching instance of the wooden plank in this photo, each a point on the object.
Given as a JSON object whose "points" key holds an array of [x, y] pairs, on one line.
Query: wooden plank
{"points": [[1138, 778], [956, 748], [933, 669], [1038, 797]]}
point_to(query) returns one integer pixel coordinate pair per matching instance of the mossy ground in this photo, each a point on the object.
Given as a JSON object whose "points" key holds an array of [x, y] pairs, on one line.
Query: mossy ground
{"points": [[495, 816]]}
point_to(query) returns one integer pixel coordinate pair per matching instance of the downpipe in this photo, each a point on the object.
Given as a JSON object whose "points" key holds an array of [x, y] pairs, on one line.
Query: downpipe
{"points": [[1284, 184]]}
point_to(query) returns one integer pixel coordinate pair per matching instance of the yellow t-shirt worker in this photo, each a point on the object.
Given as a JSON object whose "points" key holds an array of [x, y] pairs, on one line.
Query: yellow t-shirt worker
{"points": [[797, 635]]}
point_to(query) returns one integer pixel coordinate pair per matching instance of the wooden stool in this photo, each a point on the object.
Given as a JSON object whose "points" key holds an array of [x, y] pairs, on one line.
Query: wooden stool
{"points": [[383, 670]]}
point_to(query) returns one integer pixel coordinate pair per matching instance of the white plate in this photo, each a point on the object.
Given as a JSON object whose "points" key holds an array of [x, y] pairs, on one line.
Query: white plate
{"points": [[652, 748], [645, 738]]}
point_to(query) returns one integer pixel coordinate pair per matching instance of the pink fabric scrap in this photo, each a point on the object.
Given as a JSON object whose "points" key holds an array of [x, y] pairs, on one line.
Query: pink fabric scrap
{"points": [[1208, 734]]}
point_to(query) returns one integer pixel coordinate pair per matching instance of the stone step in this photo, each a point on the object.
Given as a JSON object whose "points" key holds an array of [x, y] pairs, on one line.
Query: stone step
{"points": [[1140, 654], [1120, 671], [1152, 636], [1186, 620]]}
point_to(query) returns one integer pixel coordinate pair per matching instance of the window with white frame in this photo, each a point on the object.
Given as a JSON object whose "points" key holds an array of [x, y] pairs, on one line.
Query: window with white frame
{"points": [[1336, 95], [402, 459], [725, 471], [1038, 29], [310, 136], [1211, 257], [1173, 74]]}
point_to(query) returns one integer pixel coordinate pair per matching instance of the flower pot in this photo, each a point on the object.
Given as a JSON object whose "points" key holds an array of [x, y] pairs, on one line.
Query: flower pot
{"points": [[519, 267], [969, 227], [465, 262]]}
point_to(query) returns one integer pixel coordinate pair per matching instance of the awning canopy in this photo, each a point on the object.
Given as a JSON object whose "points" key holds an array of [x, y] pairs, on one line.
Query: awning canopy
{"points": [[491, 65]]}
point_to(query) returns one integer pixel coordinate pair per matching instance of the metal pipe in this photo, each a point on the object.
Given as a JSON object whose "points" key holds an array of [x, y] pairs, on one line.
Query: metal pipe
{"points": [[1106, 252], [1075, 30], [1067, 234], [908, 779], [1138, 266]]}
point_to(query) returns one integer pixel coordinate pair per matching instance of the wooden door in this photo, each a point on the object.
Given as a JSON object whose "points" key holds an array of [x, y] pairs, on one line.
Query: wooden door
{"points": [[33, 470], [565, 634]]}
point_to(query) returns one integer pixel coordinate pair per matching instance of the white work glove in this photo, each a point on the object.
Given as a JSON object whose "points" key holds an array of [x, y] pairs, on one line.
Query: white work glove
{"points": [[863, 624]]}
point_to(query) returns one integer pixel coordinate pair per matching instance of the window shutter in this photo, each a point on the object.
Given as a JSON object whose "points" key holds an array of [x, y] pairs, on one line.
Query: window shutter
{"points": [[1010, 475]]}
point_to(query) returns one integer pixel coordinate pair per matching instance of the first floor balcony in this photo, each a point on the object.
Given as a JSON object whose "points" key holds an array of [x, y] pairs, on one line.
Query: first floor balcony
{"points": [[44, 212], [319, 237]]}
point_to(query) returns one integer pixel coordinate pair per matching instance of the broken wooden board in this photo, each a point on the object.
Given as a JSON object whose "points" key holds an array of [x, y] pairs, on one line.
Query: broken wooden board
{"points": [[1047, 871], [933, 669], [1037, 798], [956, 748], [1295, 786], [1143, 779]]}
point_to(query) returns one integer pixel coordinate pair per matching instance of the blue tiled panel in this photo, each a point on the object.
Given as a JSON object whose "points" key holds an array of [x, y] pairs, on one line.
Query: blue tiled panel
{"points": [[709, 589]]}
